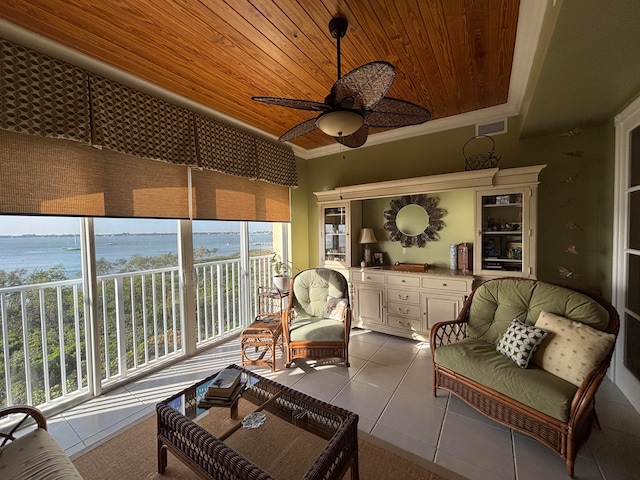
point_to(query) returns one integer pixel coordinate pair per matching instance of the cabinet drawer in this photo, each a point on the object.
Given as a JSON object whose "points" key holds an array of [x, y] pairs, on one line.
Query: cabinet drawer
{"points": [[403, 296], [404, 280], [367, 277], [403, 310], [404, 323], [445, 284]]}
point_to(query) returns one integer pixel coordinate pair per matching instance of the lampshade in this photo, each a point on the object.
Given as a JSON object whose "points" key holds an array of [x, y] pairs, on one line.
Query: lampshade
{"points": [[367, 236], [340, 123]]}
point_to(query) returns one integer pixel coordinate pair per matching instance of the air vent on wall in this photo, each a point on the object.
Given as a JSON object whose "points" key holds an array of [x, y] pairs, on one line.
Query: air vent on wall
{"points": [[492, 128]]}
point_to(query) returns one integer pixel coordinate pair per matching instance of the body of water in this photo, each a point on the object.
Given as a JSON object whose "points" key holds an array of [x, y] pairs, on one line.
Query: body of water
{"points": [[43, 252]]}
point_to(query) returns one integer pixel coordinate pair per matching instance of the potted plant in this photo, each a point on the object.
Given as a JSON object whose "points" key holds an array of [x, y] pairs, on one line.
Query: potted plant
{"points": [[280, 270]]}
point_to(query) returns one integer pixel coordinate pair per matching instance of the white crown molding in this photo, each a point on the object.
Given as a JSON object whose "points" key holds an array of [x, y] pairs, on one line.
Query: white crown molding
{"points": [[530, 20], [486, 115]]}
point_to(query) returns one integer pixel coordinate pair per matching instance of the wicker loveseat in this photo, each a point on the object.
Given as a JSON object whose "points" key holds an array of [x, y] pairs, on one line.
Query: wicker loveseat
{"points": [[558, 412], [34, 455], [317, 321]]}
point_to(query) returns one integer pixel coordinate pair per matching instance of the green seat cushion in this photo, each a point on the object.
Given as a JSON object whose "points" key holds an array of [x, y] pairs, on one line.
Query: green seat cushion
{"points": [[315, 329], [497, 302], [479, 361]]}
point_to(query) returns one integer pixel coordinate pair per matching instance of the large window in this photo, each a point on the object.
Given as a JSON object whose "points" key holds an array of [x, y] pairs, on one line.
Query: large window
{"points": [[43, 355], [145, 309]]}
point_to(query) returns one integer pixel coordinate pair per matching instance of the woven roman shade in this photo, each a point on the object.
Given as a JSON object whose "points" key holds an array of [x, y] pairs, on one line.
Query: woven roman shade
{"points": [[42, 96], [53, 177], [46, 97], [227, 197], [41, 174]]}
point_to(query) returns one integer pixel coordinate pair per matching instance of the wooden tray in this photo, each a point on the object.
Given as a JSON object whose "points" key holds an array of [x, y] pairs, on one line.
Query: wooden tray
{"points": [[411, 267]]}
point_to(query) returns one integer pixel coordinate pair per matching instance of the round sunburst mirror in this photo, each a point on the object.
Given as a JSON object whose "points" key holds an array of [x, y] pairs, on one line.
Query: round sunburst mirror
{"points": [[414, 220]]}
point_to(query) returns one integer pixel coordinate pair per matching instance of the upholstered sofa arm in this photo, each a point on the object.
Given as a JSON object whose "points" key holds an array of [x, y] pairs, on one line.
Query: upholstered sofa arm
{"points": [[28, 413], [34, 454]]}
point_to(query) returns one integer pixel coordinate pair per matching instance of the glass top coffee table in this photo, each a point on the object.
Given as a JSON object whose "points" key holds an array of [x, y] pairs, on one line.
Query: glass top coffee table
{"points": [[274, 432]]}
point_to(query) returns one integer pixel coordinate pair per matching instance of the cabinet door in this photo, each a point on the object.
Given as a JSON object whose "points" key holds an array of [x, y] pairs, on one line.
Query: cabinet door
{"points": [[504, 245], [334, 247], [440, 308], [369, 305]]}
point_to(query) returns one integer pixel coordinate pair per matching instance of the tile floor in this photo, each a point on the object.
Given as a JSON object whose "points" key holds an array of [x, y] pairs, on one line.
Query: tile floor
{"points": [[389, 386]]}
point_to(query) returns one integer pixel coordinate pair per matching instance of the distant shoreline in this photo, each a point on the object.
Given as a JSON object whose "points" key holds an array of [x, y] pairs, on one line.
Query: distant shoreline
{"points": [[124, 234]]}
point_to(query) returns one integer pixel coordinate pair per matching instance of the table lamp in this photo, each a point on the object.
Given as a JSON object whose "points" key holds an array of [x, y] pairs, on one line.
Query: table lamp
{"points": [[367, 237]]}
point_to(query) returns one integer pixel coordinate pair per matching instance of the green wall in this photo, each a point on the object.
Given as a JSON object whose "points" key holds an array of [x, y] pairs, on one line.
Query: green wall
{"points": [[574, 204], [300, 219], [458, 229]]}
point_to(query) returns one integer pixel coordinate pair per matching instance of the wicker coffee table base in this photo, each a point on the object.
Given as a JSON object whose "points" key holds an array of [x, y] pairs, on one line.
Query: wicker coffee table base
{"points": [[209, 457]]}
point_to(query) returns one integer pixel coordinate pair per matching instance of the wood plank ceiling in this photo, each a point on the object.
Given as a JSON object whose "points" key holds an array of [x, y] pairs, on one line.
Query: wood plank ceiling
{"points": [[451, 56]]}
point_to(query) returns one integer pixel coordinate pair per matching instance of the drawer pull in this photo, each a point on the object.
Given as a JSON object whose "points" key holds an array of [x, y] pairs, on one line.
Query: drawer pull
{"points": [[403, 280], [403, 297], [405, 325], [368, 278], [403, 311], [444, 284]]}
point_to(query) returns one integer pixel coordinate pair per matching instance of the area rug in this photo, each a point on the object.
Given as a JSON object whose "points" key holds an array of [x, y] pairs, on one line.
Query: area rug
{"points": [[132, 455]]}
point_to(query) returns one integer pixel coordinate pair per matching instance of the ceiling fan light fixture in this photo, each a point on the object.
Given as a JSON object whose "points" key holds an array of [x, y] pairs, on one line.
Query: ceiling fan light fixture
{"points": [[340, 123]]}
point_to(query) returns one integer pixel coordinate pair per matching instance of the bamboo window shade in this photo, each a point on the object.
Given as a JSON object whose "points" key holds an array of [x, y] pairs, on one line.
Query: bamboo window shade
{"points": [[235, 175]]}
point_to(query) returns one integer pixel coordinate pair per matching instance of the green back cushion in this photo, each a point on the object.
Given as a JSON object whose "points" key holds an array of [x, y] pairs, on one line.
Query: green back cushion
{"points": [[497, 302], [479, 361], [312, 288]]}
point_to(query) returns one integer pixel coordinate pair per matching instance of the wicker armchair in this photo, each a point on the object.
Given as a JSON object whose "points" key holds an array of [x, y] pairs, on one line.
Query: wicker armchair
{"points": [[570, 406], [317, 321]]}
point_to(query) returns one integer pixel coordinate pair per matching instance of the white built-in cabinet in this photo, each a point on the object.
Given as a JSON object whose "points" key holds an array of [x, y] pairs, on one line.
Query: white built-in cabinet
{"points": [[408, 303], [339, 228], [505, 234]]}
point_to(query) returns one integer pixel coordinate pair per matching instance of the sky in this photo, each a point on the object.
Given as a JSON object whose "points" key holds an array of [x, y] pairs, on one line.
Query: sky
{"points": [[41, 225]]}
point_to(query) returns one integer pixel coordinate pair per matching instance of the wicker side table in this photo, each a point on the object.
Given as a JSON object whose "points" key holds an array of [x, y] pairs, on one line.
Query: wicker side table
{"points": [[259, 340]]}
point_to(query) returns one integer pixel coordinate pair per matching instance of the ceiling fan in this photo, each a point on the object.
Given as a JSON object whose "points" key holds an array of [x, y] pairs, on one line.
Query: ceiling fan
{"points": [[356, 102]]}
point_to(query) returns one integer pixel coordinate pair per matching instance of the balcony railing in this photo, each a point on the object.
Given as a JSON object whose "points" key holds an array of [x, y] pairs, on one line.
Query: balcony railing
{"points": [[45, 330]]}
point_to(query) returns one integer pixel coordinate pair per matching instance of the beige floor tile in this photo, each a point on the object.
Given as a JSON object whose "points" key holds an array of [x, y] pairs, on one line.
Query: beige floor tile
{"points": [[476, 443], [389, 387]]}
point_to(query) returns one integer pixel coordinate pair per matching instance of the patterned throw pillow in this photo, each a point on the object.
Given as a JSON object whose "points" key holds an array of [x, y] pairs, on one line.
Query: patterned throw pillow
{"points": [[335, 308], [572, 348], [520, 341]]}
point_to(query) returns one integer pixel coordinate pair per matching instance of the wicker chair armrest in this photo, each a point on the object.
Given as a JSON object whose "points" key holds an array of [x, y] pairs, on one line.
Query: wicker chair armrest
{"points": [[347, 325], [29, 413], [445, 333], [287, 319]]}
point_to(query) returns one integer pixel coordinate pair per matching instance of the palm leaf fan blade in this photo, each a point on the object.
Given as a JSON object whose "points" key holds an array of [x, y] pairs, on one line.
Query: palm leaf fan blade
{"points": [[393, 112], [363, 87], [356, 139], [300, 129], [293, 103]]}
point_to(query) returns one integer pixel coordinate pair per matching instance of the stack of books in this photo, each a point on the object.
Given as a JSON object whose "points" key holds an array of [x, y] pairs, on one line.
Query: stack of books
{"points": [[224, 390]]}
